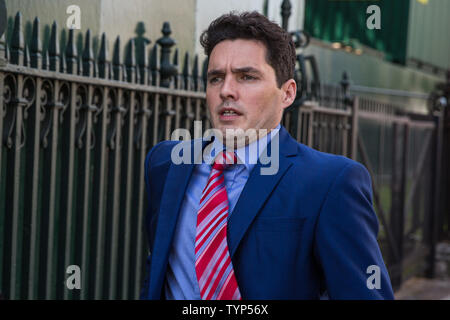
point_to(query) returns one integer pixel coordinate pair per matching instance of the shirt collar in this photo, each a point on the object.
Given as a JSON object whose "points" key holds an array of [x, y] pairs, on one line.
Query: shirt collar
{"points": [[248, 154]]}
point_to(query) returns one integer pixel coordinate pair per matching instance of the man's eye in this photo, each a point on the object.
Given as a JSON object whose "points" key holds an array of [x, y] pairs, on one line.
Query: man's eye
{"points": [[248, 77], [214, 80]]}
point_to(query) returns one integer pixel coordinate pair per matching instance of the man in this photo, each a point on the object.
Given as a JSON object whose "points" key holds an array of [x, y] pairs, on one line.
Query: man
{"points": [[221, 229]]}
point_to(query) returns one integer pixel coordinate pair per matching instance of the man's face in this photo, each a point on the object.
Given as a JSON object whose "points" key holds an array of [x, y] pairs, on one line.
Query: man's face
{"points": [[242, 90]]}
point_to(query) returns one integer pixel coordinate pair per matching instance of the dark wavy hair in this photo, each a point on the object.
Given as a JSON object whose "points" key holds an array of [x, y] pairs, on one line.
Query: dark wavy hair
{"points": [[253, 25]]}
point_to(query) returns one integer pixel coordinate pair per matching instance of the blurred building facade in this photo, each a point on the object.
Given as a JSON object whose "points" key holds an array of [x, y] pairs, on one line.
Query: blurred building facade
{"points": [[410, 52]]}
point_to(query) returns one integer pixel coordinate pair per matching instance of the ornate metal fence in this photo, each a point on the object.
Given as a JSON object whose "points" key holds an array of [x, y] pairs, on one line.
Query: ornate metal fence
{"points": [[75, 131], [402, 152]]}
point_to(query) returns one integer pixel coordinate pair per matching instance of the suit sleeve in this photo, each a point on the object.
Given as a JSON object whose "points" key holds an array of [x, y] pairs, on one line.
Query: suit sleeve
{"points": [[345, 244]]}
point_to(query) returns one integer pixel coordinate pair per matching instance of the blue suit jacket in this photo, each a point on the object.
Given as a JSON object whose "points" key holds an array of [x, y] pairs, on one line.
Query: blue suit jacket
{"points": [[306, 230]]}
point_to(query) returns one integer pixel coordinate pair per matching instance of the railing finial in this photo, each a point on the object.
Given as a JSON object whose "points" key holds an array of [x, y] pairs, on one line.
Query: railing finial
{"points": [[54, 48], [195, 77], [88, 56], [117, 66], [285, 13], [142, 61], [45, 61], [62, 64], [154, 65], [177, 68], [130, 62], [168, 70], [36, 47], [17, 42], [103, 63], [205, 73], [71, 54], [26, 56], [186, 74]]}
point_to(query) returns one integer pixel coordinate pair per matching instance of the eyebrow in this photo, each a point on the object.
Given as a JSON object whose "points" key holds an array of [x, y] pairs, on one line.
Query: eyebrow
{"points": [[216, 72]]}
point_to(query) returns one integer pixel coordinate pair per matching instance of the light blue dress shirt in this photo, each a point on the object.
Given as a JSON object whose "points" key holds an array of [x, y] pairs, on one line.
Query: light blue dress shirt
{"points": [[181, 279]]}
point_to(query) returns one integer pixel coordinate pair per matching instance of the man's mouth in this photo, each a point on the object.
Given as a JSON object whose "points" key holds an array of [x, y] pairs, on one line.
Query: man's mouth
{"points": [[228, 114]]}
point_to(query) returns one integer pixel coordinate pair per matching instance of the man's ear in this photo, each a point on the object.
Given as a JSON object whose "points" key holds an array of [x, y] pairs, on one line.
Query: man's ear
{"points": [[289, 89]]}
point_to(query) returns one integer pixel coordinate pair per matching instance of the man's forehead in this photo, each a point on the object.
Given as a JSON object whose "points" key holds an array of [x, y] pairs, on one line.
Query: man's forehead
{"points": [[238, 54]]}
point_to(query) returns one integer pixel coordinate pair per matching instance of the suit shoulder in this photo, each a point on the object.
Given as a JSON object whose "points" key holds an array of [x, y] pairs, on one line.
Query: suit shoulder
{"points": [[327, 161], [160, 152], [340, 172]]}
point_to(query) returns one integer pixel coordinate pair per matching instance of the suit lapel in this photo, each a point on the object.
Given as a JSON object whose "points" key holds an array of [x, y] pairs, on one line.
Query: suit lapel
{"points": [[257, 190]]}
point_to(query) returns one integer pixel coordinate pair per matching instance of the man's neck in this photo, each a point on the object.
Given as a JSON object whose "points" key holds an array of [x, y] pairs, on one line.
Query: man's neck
{"points": [[236, 141]]}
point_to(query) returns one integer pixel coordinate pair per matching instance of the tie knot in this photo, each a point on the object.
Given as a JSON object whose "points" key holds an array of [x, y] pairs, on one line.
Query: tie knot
{"points": [[224, 159]]}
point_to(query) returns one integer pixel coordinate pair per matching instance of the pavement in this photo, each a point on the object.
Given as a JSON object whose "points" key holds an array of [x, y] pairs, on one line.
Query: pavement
{"points": [[424, 289]]}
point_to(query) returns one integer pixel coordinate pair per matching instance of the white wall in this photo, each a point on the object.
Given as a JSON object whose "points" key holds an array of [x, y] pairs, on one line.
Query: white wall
{"points": [[120, 17]]}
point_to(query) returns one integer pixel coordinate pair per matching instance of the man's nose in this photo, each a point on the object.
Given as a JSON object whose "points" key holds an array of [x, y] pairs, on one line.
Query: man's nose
{"points": [[229, 89]]}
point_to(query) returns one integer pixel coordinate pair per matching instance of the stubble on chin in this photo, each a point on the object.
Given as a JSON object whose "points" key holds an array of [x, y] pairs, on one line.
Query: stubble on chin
{"points": [[234, 138]]}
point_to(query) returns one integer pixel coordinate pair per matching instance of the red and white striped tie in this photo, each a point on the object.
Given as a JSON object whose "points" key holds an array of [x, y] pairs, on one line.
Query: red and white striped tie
{"points": [[213, 264]]}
